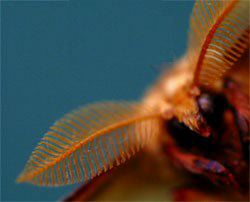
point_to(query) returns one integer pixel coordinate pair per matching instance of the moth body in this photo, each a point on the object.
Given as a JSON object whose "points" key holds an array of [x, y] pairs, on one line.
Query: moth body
{"points": [[196, 114]]}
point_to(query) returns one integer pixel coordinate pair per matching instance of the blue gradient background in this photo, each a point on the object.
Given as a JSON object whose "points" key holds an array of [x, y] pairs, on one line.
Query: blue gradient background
{"points": [[57, 55]]}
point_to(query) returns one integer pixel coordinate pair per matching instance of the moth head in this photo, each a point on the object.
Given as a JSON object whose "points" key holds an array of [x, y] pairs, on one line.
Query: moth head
{"points": [[175, 97]]}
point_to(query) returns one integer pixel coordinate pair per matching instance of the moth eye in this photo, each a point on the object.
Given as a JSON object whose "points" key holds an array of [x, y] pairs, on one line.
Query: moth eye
{"points": [[206, 104], [212, 108]]}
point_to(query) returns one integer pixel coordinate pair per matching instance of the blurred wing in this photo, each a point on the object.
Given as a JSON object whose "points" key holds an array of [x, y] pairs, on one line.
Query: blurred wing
{"points": [[219, 35], [148, 177], [89, 141]]}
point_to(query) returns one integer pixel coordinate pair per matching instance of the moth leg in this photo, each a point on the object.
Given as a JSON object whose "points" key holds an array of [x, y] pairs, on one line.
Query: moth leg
{"points": [[236, 150], [239, 99], [211, 169]]}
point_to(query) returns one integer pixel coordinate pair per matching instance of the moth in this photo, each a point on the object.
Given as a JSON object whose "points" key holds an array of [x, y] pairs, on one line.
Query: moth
{"points": [[197, 113]]}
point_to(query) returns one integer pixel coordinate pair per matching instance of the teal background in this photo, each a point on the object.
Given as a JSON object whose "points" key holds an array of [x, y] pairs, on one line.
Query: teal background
{"points": [[57, 55]]}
